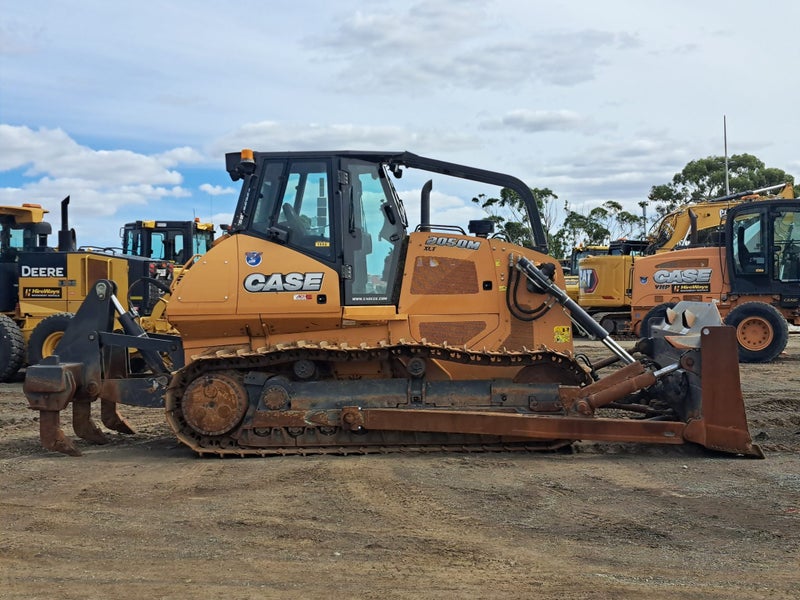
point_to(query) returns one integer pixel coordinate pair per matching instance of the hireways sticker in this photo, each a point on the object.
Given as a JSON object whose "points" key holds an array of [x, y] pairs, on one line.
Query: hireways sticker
{"points": [[41, 292]]}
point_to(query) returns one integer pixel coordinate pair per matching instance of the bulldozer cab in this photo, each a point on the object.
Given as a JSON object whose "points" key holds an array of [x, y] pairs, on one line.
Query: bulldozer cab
{"points": [[765, 254], [350, 221], [340, 209]]}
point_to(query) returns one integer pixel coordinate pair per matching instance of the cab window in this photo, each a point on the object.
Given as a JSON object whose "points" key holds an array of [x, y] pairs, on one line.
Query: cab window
{"points": [[305, 208], [748, 244], [786, 227], [158, 245], [266, 201]]}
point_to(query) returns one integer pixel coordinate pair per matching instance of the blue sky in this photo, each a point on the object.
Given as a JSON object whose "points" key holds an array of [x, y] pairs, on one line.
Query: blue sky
{"points": [[129, 107]]}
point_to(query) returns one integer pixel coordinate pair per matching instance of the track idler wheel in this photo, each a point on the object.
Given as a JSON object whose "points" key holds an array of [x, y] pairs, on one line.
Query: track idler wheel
{"points": [[215, 403]]}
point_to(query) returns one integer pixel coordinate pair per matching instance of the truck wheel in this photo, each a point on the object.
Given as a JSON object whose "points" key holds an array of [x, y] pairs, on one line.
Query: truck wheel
{"points": [[46, 335], [654, 315], [761, 331], [12, 348]]}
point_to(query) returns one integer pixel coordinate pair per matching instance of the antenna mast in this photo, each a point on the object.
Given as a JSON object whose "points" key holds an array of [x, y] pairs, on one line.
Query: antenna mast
{"points": [[725, 138]]}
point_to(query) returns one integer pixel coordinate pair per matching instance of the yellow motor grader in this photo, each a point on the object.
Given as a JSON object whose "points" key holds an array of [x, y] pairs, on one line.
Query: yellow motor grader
{"points": [[42, 286], [320, 324]]}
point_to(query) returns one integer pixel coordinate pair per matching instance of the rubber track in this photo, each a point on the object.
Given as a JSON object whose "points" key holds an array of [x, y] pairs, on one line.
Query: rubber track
{"points": [[264, 359]]}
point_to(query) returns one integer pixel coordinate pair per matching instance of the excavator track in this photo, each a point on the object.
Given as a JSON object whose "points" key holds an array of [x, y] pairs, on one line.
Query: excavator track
{"points": [[213, 409]]}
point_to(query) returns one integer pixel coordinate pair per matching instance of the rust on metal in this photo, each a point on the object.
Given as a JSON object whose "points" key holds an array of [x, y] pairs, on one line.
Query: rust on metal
{"points": [[535, 427], [723, 425], [52, 436], [83, 425], [245, 403], [111, 418], [214, 404]]}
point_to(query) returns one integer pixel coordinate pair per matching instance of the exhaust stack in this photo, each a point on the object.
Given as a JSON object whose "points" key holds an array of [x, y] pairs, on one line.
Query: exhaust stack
{"points": [[66, 236]]}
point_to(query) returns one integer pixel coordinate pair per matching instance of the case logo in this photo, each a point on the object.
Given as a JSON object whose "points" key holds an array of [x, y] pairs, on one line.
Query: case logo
{"points": [[280, 282], [682, 276]]}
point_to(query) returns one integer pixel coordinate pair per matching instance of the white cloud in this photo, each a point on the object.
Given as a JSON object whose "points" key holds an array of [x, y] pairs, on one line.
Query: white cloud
{"points": [[180, 156], [536, 121], [52, 152], [439, 45], [267, 136], [102, 184], [216, 190]]}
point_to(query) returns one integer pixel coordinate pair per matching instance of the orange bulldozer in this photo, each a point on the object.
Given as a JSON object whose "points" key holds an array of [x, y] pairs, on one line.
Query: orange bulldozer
{"points": [[320, 324]]}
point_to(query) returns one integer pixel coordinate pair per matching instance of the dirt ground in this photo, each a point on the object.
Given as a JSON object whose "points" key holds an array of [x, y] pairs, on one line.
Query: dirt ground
{"points": [[144, 518]]}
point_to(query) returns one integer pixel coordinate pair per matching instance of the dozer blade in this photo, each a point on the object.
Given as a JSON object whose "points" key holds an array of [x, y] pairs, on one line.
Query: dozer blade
{"points": [[723, 424], [703, 387], [723, 421]]}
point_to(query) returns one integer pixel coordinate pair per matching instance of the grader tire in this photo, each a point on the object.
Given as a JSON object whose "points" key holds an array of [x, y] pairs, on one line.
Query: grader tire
{"points": [[46, 335], [12, 348]]}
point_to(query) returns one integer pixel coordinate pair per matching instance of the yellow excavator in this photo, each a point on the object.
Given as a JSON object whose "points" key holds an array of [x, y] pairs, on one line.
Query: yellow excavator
{"points": [[320, 324], [605, 282], [571, 275]]}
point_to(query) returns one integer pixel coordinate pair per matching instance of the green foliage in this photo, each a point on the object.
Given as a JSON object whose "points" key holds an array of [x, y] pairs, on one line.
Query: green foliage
{"points": [[704, 179], [603, 223], [511, 216], [700, 180]]}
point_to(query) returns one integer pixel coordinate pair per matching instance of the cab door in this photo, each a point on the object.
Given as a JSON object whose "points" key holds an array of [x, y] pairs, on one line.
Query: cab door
{"points": [[373, 232]]}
